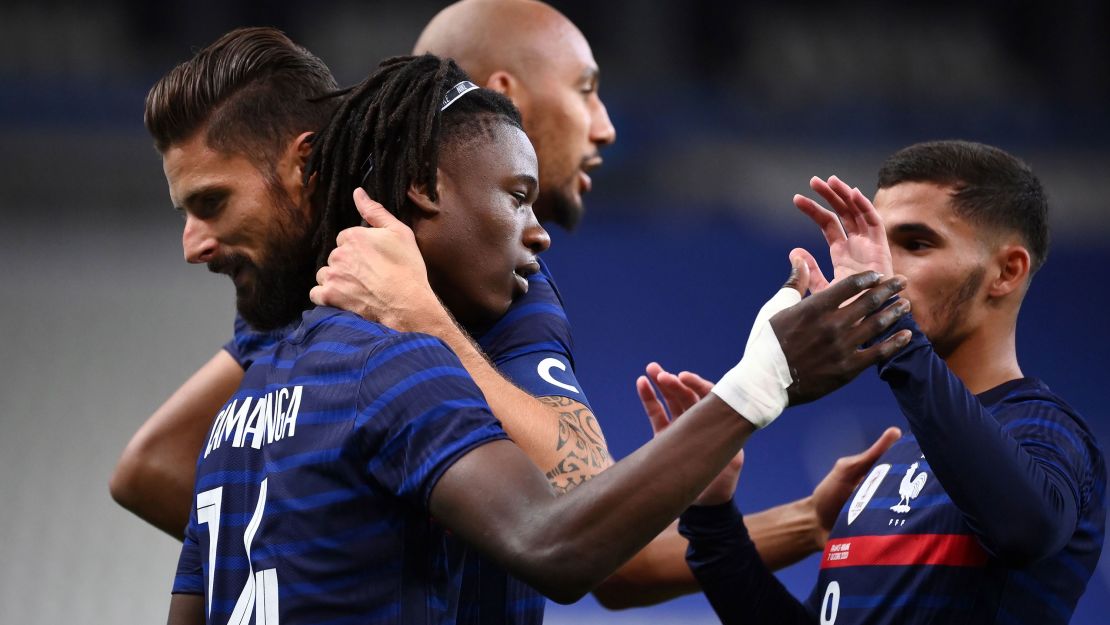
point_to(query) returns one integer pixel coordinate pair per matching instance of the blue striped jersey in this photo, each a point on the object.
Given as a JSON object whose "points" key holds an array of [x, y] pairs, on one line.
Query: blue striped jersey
{"points": [[902, 551], [992, 511], [532, 345], [313, 485], [246, 343]]}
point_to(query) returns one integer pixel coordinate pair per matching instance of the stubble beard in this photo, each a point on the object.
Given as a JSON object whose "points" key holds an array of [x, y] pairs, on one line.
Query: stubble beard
{"points": [[952, 313]]}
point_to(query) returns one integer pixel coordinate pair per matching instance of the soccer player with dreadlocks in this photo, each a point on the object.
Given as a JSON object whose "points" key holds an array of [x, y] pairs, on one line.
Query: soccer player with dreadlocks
{"points": [[336, 482]]}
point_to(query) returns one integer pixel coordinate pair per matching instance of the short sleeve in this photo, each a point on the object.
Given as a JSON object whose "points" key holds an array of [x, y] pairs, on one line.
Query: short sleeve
{"points": [[189, 579], [418, 413], [532, 344]]}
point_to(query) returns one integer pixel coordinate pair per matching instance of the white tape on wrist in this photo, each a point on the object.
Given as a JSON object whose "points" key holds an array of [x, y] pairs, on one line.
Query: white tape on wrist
{"points": [[756, 386]]}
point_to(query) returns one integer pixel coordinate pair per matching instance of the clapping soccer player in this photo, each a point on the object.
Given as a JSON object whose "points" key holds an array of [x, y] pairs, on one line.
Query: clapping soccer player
{"points": [[994, 510]]}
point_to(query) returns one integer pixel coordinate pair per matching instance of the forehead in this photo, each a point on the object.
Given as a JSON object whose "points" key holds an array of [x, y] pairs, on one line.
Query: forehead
{"points": [[561, 49], [918, 202], [193, 164], [499, 149]]}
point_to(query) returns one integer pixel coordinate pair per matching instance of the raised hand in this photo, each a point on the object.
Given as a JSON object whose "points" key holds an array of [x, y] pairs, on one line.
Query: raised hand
{"points": [[853, 230], [680, 392], [376, 272], [821, 339]]}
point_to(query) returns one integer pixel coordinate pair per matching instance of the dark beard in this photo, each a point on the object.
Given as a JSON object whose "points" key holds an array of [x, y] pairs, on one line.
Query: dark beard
{"points": [[278, 292], [557, 207]]}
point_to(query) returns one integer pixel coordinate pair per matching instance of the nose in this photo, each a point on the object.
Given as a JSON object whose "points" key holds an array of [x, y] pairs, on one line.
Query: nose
{"points": [[535, 238], [197, 241], [602, 131]]}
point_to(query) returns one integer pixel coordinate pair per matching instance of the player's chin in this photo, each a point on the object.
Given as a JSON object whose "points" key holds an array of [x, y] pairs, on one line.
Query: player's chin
{"points": [[567, 207], [493, 308], [502, 296]]}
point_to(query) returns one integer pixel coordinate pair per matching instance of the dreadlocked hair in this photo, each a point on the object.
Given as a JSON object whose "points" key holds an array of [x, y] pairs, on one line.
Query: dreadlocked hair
{"points": [[393, 120]]}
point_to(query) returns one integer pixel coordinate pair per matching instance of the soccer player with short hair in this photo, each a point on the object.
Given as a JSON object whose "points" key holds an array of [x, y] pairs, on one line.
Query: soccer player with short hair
{"points": [[245, 209], [993, 511], [335, 482]]}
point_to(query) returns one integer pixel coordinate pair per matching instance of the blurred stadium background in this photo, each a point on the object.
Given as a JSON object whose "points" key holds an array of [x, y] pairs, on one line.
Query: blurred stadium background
{"points": [[723, 111]]}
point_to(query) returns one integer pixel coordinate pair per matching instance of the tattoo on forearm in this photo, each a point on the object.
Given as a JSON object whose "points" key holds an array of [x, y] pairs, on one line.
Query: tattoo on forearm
{"points": [[581, 445]]}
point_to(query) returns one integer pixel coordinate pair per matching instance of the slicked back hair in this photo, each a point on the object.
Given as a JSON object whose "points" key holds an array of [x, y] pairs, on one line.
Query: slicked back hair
{"points": [[393, 119], [252, 91], [991, 187]]}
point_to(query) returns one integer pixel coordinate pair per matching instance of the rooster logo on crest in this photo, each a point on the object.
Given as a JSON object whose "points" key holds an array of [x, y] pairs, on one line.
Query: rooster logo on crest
{"points": [[909, 489]]}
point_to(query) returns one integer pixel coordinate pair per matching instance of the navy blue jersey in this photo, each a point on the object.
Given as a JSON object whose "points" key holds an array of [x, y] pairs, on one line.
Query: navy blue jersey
{"points": [[992, 511], [312, 489], [247, 344], [532, 346]]}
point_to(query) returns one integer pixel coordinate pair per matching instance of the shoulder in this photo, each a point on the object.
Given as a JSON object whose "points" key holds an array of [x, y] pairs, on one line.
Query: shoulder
{"points": [[1030, 401], [1031, 412], [536, 321], [546, 277], [249, 344]]}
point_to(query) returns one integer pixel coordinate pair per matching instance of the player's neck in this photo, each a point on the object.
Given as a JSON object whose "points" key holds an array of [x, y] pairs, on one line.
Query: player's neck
{"points": [[986, 359]]}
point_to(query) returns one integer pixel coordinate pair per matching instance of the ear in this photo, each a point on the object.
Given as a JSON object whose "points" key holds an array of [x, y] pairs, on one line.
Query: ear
{"points": [[303, 146], [425, 206], [291, 166], [1013, 263], [507, 85]]}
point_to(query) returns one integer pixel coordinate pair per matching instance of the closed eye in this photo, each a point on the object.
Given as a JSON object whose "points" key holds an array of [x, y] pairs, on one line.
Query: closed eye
{"points": [[205, 203]]}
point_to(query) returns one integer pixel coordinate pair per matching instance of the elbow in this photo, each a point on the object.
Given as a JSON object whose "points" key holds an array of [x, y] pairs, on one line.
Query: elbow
{"points": [[1016, 556], [560, 570], [567, 595], [124, 482], [561, 582], [614, 595], [131, 479], [1021, 544]]}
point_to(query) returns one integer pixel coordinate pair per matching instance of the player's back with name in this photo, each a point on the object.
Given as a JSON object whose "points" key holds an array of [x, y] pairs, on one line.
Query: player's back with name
{"points": [[317, 476]]}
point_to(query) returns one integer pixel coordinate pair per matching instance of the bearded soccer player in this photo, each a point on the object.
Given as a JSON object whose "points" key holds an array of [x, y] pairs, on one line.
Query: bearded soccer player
{"points": [[994, 510]]}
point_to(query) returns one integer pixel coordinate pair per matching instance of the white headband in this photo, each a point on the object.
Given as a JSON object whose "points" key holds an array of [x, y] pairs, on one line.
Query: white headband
{"points": [[449, 98], [456, 92]]}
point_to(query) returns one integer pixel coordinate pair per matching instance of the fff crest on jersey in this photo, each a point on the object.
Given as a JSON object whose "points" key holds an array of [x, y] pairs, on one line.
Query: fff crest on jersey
{"points": [[867, 491]]}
